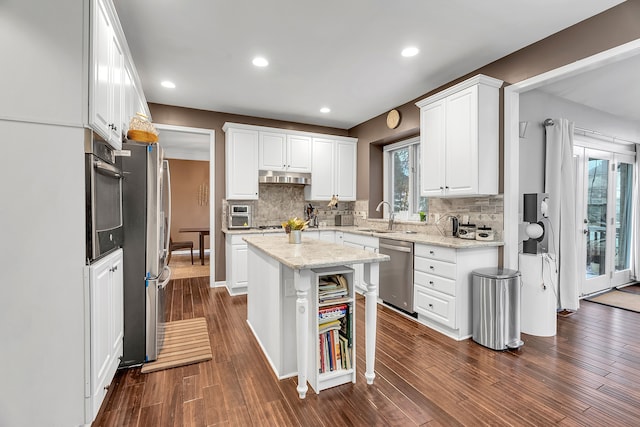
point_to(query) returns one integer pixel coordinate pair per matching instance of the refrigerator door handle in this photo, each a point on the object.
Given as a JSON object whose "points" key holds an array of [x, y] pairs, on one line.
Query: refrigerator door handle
{"points": [[165, 164], [164, 283]]}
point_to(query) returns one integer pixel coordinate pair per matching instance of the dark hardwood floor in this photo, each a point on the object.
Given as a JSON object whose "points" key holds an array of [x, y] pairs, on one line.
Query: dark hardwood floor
{"points": [[588, 375]]}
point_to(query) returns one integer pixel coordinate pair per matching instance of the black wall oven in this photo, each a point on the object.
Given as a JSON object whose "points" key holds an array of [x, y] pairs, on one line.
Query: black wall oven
{"points": [[103, 199]]}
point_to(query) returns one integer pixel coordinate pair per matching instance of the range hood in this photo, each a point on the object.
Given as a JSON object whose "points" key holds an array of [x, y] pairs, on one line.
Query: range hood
{"points": [[280, 177]]}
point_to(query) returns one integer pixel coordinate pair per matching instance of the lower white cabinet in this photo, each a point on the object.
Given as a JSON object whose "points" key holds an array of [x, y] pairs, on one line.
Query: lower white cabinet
{"points": [[236, 253], [106, 331], [442, 286]]}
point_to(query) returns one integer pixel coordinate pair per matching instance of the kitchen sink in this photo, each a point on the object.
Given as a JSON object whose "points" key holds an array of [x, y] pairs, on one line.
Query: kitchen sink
{"points": [[371, 230]]}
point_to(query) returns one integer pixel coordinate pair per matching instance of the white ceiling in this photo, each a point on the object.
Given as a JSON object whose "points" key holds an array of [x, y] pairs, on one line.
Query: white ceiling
{"points": [[335, 53], [614, 88]]}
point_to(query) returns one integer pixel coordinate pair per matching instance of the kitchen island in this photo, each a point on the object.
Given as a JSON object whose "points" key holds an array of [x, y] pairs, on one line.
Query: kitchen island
{"points": [[283, 305]]}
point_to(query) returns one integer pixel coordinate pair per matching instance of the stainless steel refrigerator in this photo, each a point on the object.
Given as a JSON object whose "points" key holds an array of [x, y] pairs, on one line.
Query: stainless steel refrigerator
{"points": [[146, 209]]}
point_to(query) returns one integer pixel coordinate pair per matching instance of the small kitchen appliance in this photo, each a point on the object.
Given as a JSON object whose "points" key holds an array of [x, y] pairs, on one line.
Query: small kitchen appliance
{"points": [[239, 217], [467, 231], [484, 233]]}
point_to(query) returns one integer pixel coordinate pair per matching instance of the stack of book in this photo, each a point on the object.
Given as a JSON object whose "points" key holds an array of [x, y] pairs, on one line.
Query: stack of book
{"points": [[333, 345], [332, 287]]}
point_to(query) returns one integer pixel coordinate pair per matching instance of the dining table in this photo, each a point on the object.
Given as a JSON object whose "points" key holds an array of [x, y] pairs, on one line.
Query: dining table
{"points": [[202, 231]]}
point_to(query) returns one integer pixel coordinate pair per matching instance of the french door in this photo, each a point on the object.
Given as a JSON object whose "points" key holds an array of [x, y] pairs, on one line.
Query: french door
{"points": [[604, 216]]}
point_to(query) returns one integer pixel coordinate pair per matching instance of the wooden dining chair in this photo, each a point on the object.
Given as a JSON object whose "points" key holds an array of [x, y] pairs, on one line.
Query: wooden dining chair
{"points": [[174, 246]]}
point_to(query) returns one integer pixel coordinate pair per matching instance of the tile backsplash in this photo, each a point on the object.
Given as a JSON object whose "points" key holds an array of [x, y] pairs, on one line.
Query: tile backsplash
{"points": [[279, 202]]}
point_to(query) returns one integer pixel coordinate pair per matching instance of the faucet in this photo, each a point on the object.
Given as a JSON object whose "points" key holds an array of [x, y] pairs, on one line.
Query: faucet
{"points": [[391, 213]]}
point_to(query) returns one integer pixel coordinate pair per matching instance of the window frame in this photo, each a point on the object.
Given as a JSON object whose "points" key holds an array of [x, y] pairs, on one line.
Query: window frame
{"points": [[414, 177]]}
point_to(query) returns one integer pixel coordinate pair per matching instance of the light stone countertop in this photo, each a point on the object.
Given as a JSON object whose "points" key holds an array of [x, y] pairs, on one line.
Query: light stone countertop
{"points": [[311, 253], [449, 242]]}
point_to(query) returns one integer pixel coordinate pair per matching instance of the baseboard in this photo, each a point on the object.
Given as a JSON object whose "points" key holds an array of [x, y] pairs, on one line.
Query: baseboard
{"points": [[219, 284]]}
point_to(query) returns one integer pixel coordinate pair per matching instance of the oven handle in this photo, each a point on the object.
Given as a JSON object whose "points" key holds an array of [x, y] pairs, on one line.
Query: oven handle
{"points": [[108, 168]]}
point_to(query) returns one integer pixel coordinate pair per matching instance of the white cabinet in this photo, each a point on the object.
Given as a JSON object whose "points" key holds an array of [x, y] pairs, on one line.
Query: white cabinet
{"points": [[459, 139], [114, 91], [333, 170], [236, 253], [241, 147], [368, 243], [107, 59], [105, 281], [442, 286], [284, 152]]}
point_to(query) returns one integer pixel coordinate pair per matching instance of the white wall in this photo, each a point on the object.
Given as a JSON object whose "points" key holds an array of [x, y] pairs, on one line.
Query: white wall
{"points": [[535, 107]]}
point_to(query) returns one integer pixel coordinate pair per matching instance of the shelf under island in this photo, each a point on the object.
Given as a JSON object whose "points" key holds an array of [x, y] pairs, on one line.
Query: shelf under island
{"points": [[301, 308]]}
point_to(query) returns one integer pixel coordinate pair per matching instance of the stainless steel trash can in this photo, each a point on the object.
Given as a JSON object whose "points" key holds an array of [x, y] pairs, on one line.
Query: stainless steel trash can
{"points": [[496, 308]]}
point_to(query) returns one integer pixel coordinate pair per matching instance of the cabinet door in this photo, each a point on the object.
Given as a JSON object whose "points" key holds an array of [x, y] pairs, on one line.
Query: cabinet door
{"points": [[432, 149], [346, 161], [322, 170], [239, 264], [242, 164], [100, 101], [298, 153], [272, 149], [117, 77], [101, 301], [117, 314], [462, 142]]}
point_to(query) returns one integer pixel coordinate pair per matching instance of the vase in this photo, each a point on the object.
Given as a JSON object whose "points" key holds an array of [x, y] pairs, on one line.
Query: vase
{"points": [[295, 236]]}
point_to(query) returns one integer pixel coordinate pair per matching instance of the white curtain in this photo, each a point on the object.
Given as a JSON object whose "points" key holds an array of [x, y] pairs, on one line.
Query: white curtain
{"points": [[635, 239], [560, 185]]}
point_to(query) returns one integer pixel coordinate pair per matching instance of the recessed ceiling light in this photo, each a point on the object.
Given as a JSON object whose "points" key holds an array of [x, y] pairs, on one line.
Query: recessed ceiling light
{"points": [[325, 110], [259, 61], [410, 51], [168, 84]]}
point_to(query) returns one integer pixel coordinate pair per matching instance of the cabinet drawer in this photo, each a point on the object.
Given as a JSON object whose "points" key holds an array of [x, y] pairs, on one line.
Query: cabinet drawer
{"points": [[437, 283], [435, 252], [435, 305], [432, 266]]}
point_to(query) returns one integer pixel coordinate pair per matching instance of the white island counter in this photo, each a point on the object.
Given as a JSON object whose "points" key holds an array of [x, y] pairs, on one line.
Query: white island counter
{"points": [[283, 307]]}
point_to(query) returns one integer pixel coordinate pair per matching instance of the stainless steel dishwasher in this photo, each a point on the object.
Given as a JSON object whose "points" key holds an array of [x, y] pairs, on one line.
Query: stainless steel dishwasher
{"points": [[396, 276]]}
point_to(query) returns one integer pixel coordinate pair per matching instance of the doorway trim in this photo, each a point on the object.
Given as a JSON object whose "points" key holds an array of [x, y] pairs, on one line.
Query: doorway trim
{"points": [[210, 133], [512, 140]]}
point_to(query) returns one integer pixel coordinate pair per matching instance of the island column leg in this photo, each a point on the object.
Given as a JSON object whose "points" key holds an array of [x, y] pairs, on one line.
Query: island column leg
{"points": [[371, 277], [302, 283]]}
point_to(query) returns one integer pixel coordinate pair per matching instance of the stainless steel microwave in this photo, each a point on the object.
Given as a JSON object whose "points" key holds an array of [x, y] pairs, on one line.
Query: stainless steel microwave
{"points": [[239, 216]]}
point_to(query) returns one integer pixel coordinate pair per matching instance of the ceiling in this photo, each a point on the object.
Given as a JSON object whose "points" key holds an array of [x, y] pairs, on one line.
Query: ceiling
{"points": [[612, 88], [341, 54]]}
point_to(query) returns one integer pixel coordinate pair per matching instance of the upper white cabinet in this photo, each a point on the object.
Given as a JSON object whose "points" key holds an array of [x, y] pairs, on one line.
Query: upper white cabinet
{"points": [[114, 92], [459, 139], [330, 159], [333, 170], [241, 147], [284, 152]]}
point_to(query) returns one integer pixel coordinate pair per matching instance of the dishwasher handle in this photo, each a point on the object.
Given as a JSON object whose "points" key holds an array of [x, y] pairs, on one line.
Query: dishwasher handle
{"points": [[396, 248]]}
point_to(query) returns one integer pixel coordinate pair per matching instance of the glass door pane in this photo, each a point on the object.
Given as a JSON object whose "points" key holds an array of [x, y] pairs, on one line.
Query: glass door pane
{"points": [[596, 227], [624, 209]]}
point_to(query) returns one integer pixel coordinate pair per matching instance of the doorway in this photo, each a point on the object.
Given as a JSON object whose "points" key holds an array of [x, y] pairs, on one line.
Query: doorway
{"points": [[188, 143], [604, 216]]}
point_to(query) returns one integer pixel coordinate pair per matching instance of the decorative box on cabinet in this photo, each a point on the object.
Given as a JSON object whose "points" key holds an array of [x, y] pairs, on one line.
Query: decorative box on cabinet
{"points": [[459, 139], [325, 370], [106, 330], [333, 170], [241, 147], [442, 286]]}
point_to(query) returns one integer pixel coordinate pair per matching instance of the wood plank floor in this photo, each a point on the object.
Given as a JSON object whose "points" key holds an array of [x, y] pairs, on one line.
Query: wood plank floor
{"points": [[587, 375]]}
